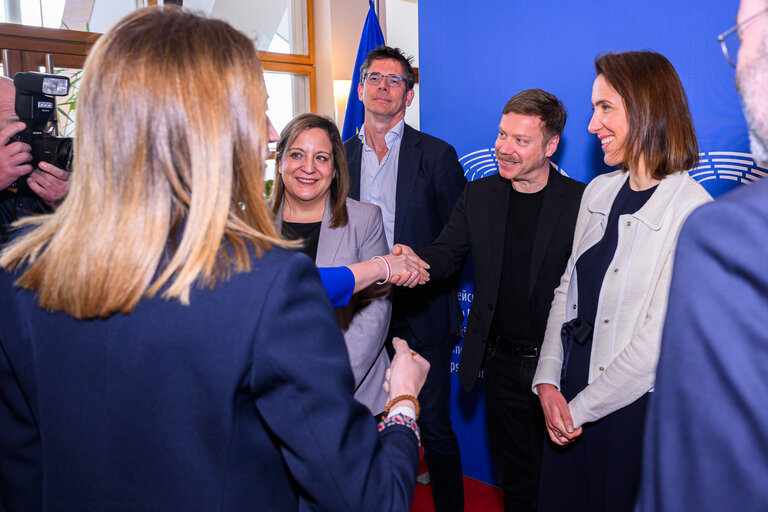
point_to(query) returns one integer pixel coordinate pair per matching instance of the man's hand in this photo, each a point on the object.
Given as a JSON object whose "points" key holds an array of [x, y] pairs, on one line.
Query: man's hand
{"points": [[557, 415], [50, 183], [14, 158]]}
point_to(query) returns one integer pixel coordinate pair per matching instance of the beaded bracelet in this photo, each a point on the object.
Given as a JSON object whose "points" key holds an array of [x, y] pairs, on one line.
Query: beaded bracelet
{"points": [[389, 269], [400, 398], [401, 419]]}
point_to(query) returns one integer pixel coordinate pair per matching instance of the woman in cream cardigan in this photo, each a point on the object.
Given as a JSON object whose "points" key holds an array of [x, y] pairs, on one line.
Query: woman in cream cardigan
{"points": [[603, 335]]}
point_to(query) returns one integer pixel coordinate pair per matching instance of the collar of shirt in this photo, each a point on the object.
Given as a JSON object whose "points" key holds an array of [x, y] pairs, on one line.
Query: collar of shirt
{"points": [[378, 179], [394, 134]]}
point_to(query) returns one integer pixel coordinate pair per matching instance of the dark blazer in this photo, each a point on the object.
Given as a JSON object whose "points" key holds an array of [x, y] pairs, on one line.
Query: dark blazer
{"points": [[707, 429], [240, 401], [14, 206], [478, 224], [429, 180]]}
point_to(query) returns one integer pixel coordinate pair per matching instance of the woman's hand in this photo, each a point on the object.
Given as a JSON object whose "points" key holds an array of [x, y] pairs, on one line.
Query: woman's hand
{"points": [[407, 372], [407, 268], [557, 415]]}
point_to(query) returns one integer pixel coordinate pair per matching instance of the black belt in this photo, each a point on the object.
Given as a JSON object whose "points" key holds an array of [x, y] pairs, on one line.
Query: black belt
{"points": [[509, 346]]}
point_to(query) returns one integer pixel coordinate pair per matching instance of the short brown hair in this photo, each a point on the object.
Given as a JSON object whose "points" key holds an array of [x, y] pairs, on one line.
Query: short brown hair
{"points": [[541, 104], [340, 182], [660, 126], [386, 52]]}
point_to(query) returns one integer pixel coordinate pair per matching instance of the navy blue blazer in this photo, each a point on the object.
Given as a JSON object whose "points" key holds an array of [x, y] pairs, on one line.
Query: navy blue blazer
{"points": [[240, 401], [429, 181], [706, 433], [14, 206]]}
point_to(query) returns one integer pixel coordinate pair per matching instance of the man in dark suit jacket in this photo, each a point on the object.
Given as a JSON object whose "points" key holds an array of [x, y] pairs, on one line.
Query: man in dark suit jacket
{"points": [[415, 179], [519, 227], [707, 428]]}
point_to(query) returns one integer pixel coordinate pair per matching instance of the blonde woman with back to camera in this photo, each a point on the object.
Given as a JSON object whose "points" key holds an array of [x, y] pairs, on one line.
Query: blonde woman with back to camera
{"points": [[161, 349]]}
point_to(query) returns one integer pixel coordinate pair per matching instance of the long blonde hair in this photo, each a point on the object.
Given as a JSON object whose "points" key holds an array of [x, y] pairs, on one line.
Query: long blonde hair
{"points": [[167, 189]]}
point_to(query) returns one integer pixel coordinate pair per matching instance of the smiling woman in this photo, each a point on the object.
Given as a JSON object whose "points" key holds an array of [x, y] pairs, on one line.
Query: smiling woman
{"points": [[310, 203], [598, 360]]}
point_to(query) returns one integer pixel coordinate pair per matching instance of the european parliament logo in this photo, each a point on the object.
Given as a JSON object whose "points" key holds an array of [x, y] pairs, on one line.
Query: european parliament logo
{"points": [[479, 164], [718, 171], [482, 163]]}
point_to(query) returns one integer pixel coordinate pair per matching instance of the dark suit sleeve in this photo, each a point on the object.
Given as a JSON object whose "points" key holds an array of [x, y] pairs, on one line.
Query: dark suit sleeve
{"points": [[707, 429], [448, 182], [302, 384], [448, 253], [21, 479]]}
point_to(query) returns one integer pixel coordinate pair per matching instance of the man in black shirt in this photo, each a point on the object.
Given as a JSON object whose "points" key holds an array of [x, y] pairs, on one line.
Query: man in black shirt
{"points": [[519, 226]]}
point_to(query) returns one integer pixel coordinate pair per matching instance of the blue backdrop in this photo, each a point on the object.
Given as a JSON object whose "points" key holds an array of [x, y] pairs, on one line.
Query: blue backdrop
{"points": [[474, 56]]}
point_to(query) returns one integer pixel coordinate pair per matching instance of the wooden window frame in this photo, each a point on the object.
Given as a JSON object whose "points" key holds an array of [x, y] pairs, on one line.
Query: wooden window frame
{"points": [[297, 64], [26, 48]]}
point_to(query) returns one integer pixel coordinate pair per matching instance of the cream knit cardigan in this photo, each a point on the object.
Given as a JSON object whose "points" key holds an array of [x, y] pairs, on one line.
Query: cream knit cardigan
{"points": [[633, 297]]}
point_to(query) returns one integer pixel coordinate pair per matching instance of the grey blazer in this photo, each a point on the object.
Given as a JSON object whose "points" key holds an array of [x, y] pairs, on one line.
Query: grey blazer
{"points": [[365, 321]]}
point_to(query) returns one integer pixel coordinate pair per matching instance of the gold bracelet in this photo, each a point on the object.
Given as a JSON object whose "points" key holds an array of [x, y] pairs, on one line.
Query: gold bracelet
{"points": [[400, 398]]}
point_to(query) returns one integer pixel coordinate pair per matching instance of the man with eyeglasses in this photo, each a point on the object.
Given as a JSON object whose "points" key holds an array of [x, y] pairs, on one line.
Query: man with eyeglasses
{"points": [[706, 444], [415, 179]]}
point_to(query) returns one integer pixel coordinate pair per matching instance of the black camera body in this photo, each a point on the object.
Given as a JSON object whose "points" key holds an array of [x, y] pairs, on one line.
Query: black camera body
{"points": [[36, 106]]}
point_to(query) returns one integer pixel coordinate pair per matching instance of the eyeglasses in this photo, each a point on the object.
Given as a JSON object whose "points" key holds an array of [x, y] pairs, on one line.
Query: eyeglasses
{"points": [[730, 41], [392, 80]]}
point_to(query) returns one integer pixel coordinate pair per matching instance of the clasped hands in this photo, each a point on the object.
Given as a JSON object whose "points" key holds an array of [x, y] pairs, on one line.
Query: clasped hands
{"points": [[557, 415]]}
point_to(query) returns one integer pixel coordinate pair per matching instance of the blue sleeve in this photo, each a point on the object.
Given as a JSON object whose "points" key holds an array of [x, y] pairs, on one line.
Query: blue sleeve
{"points": [[339, 283]]}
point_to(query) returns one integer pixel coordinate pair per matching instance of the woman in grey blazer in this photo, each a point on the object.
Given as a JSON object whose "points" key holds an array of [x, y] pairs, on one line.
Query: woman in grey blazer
{"points": [[310, 203]]}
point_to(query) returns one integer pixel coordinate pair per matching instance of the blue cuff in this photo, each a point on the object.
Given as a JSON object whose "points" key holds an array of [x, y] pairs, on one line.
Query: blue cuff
{"points": [[339, 283]]}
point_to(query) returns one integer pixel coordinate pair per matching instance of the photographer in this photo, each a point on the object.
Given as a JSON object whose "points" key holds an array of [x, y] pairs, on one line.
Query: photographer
{"points": [[48, 183]]}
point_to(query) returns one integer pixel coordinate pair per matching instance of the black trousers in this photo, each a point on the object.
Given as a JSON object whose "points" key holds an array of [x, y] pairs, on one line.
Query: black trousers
{"points": [[437, 436], [515, 427]]}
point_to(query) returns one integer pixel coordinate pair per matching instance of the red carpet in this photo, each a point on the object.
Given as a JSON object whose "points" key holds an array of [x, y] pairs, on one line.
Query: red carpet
{"points": [[478, 497]]}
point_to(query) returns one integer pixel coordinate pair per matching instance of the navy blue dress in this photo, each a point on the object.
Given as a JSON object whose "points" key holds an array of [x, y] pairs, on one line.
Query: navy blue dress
{"points": [[600, 471]]}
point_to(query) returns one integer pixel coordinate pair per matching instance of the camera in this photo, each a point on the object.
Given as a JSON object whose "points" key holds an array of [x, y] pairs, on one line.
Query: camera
{"points": [[36, 106]]}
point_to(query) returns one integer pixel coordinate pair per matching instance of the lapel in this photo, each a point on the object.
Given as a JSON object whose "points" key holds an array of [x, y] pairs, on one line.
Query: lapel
{"points": [[330, 238], [498, 204], [407, 169], [354, 159], [551, 208]]}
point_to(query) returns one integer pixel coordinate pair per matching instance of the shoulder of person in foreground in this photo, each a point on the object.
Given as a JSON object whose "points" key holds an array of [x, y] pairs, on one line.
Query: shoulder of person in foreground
{"points": [[711, 370]]}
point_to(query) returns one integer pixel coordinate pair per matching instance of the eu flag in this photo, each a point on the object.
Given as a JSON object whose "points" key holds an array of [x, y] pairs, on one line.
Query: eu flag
{"points": [[371, 39]]}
